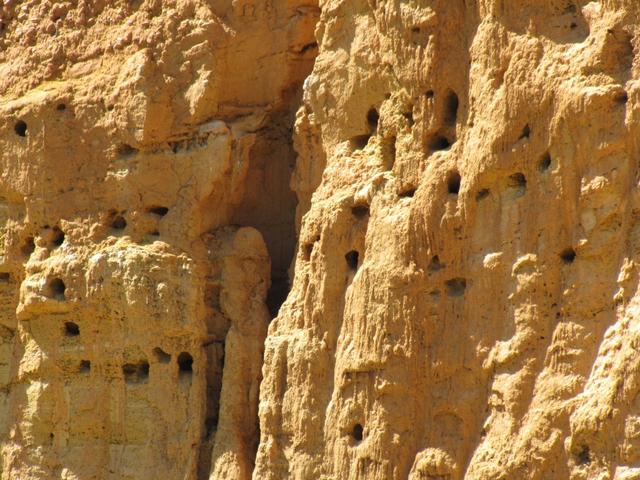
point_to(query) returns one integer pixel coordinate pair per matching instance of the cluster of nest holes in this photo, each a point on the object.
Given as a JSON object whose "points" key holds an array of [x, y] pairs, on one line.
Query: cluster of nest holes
{"points": [[359, 142], [139, 372], [159, 212], [454, 287], [20, 128], [55, 289], [441, 140], [518, 182]]}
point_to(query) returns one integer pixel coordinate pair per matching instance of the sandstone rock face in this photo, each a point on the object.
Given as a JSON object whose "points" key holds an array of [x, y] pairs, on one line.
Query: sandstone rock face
{"points": [[457, 235], [144, 147]]}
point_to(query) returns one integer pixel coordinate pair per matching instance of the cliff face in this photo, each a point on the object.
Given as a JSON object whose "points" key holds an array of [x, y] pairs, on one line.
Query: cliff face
{"points": [[465, 293], [458, 226], [146, 155]]}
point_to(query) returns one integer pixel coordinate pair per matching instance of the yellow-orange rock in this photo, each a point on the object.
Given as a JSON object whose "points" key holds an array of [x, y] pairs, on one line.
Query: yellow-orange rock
{"points": [[444, 191]]}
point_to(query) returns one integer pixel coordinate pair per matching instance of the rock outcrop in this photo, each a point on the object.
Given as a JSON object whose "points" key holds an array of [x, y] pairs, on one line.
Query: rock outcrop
{"points": [[457, 236]]}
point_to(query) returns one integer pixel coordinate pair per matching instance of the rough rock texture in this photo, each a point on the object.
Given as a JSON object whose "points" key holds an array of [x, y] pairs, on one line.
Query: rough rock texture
{"points": [[464, 294], [145, 159]]}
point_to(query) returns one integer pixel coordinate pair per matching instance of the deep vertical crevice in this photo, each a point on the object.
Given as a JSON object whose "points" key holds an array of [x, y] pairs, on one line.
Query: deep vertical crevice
{"points": [[269, 204]]}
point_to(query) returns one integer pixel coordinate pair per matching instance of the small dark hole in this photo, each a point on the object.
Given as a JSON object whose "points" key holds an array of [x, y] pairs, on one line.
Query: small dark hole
{"points": [[56, 289], [20, 128], [61, 107], [518, 183], [439, 142], [573, 25], [360, 142], [5, 277], [429, 94], [621, 97], [85, 366], [453, 183], [28, 247], [526, 132], [568, 255], [129, 371], [583, 457], [360, 211], [136, 373], [451, 104], [456, 287], [435, 264], [57, 237], [409, 192], [482, 194], [160, 211], [352, 260], [545, 162], [126, 150], [358, 432], [409, 117], [307, 250], [154, 233], [118, 222], [185, 363], [71, 329], [373, 117], [161, 355]]}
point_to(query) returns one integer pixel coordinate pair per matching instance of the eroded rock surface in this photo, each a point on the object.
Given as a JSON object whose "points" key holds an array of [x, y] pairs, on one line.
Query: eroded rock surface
{"points": [[146, 153], [456, 235]]}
